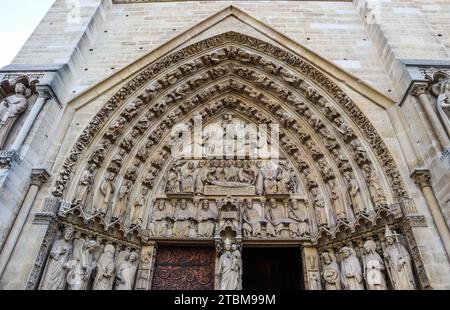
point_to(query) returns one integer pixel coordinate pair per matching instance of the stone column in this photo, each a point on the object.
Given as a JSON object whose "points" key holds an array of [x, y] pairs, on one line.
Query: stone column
{"points": [[146, 267], [422, 177], [38, 177], [44, 95], [311, 269], [420, 91]]}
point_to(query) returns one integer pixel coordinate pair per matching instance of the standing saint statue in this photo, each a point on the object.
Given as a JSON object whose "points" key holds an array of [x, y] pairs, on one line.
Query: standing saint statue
{"points": [[81, 266], [126, 273], [138, 210], [443, 105], [398, 263], [201, 178], [104, 195], [104, 277], [354, 191], [11, 108], [84, 185], [351, 273], [336, 202], [376, 192], [122, 201], [229, 269], [331, 274], [54, 277], [373, 267]]}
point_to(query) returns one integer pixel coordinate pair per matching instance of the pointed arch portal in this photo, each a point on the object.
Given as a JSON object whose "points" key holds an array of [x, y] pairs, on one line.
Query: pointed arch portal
{"points": [[239, 100]]}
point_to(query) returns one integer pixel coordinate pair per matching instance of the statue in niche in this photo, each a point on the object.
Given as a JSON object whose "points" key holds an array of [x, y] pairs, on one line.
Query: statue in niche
{"points": [[81, 266], [230, 266], [252, 220], [376, 193], [11, 108], [126, 273], [55, 272], [298, 224], [398, 263], [84, 185], [373, 267], [259, 178], [275, 219], [173, 183], [351, 273], [187, 178], [354, 191], [122, 201], [160, 220], [336, 202], [182, 219], [201, 178], [103, 280], [206, 220], [330, 272], [104, 194], [443, 105], [138, 210], [320, 209]]}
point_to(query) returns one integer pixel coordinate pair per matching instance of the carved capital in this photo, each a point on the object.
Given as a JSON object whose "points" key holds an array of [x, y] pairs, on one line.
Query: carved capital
{"points": [[419, 89], [422, 177], [7, 158], [44, 93], [39, 177]]}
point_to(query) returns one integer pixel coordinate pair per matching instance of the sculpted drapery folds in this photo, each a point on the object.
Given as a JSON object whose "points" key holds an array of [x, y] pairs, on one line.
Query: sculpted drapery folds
{"points": [[126, 273], [443, 105], [230, 267], [351, 272], [105, 271], [104, 194], [373, 267], [206, 220], [82, 265], [331, 274]]}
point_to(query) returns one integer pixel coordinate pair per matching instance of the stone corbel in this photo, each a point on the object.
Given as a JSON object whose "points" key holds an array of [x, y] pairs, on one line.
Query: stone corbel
{"points": [[48, 213]]}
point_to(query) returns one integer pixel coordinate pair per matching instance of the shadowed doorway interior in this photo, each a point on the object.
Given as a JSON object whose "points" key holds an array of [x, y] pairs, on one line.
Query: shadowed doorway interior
{"points": [[272, 268]]}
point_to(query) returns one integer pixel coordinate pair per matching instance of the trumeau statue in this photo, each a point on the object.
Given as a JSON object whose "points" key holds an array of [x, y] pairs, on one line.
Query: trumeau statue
{"points": [[104, 276], [206, 220], [298, 225], [126, 273], [11, 108], [160, 220], [331, 274], [373, 267], [398, 263], [84, 185], [252, 220], [54, 277], [230, 266], [351, 273], [443, 105], [104, 194], [81, 266]]}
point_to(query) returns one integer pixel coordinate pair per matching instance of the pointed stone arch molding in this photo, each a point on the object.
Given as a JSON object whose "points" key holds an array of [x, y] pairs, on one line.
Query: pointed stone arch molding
{"points": [[315, 77]]}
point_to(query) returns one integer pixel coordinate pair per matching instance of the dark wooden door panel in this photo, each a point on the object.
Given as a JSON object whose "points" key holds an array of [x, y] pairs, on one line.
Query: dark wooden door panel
{"points": [[184, 268]]}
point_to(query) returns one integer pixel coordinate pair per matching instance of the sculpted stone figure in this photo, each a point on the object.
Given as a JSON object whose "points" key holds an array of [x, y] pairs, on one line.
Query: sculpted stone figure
{"points": [[398, 262], [320, 209], [138, 210], [354, 191], [11, 108], [84, 185], [104, 194], [376, 193], [298, 225], [275, 219], [126, 273], [336, 202], [182, 219], [187, 178], [81, 267], [351, 273], [229, 269], [160, 220], [443, 105], [54, 277], [252, 221], [331, 274], [104, 277], [373, 267], [122, 200], [206, 220], [201, 178]]}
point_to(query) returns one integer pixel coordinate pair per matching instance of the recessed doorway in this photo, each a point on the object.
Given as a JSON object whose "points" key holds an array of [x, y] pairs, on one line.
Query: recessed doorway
{"points": [[272, 268]]}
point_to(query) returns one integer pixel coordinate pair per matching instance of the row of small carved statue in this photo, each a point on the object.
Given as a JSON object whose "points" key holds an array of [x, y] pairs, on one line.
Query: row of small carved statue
{"points": [[73, 265]]}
